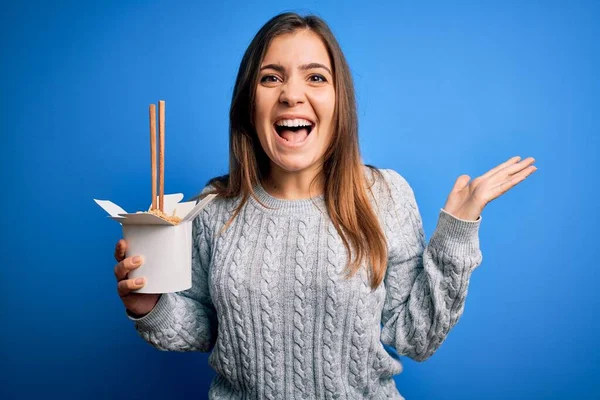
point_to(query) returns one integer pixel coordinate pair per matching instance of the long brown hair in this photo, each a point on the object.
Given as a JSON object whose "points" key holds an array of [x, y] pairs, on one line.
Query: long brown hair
{"points": [[345, 194]]}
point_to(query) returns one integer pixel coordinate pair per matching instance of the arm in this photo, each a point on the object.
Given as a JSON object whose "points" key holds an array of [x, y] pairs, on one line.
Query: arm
{"points": [[426, 286], [186, 320]]}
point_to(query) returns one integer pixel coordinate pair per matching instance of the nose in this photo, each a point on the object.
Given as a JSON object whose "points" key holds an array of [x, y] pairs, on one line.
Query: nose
{"points": [[292, 93]]}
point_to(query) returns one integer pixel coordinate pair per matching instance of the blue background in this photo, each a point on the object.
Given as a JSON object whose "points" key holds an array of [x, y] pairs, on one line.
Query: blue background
{"points": [[443, 90]]}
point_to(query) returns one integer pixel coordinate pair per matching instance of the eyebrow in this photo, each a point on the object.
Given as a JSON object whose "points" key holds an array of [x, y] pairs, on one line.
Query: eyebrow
{"points": [[304, 67]]}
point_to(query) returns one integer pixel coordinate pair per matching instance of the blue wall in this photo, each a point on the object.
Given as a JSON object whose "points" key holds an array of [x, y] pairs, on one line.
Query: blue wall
{"points": [[443, 89]]}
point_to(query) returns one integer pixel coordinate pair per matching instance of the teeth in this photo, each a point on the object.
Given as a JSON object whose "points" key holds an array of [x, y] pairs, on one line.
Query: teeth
{"points": [[293, 122]]}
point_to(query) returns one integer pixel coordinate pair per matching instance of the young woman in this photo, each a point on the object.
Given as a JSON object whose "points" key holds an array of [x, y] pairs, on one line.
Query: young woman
{"points": [[308, 261]]}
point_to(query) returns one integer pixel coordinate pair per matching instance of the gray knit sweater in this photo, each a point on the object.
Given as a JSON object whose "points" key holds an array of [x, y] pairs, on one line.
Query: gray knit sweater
{"points": [[269, 299]]}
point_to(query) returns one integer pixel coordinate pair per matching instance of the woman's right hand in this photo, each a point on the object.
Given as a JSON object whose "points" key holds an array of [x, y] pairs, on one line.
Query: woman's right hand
{"points": [[139, 304]]}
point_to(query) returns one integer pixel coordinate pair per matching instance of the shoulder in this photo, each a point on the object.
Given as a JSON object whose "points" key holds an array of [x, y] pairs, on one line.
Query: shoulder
{"points": [[386, 183], [210, 214], [392, 195], [394, 199], [214, 185]]}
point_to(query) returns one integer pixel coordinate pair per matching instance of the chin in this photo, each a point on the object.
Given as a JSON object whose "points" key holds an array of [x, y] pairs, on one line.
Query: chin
{"points": [[294, 164]]}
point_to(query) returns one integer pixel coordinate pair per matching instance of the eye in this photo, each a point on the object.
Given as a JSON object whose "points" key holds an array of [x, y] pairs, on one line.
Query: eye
{"points": [[268, 79], [317, 78]]}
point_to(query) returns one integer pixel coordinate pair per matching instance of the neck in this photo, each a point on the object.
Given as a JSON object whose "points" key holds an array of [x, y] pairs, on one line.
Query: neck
{"points": [[294, 185]]}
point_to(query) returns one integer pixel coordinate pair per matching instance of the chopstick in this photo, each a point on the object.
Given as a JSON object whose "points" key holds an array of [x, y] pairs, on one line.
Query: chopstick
{"points": [[161, 154], [153, 153]]}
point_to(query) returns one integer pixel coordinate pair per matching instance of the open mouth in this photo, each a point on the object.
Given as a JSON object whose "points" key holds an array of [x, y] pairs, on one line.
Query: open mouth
{"points": [[294, 134]]}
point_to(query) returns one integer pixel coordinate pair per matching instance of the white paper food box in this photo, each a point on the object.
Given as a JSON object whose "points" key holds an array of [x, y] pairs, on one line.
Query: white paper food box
{"points": [[166, 248]]}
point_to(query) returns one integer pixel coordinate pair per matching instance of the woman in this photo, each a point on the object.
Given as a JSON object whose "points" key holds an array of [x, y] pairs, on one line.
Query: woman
{"points": [[307, 262]]}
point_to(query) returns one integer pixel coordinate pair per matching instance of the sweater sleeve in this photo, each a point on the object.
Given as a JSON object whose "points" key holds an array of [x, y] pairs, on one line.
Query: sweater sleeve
{"points": [[426, 286], [186, 320]]}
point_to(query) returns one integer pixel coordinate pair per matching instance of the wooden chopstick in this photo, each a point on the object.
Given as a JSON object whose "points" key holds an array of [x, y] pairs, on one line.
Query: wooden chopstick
{"points": [[161, 154], [153, 153]]}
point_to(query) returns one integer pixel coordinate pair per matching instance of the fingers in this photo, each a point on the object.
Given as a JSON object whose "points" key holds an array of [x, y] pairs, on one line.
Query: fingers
{"points": [[126, 286], [120, 250], [519, 167], [510, 161], [461, 183], [512, 181], [128, 264]]}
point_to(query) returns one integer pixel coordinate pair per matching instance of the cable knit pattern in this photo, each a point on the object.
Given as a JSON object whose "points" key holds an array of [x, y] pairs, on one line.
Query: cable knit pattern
{"points": [[330, 366], [360, 345], [225, 356], [266, 300], [270, 300], [303, 243], [237, 283]]}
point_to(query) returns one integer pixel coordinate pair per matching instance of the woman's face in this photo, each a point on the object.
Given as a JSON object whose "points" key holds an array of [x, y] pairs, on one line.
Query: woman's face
{"points": [[295, 101]]}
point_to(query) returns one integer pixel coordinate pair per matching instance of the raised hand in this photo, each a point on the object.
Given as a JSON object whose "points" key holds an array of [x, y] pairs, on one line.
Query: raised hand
{"points": [[467, 199]]}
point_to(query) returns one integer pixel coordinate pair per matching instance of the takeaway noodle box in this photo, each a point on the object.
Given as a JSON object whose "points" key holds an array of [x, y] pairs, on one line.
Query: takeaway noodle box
{"points": [[166, 247]]}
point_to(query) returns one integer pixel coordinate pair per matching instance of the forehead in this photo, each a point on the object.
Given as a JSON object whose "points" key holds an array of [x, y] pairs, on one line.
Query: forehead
{"points": [[300, 47]]}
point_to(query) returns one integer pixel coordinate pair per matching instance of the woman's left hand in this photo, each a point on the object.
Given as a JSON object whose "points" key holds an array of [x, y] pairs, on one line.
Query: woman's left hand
{"points": [[467, 199]]}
